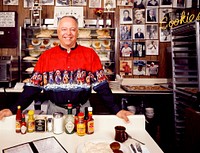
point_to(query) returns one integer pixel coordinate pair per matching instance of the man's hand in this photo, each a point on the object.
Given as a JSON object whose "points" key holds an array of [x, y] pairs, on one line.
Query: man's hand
{"points": [[5, 113], [123, 114]]}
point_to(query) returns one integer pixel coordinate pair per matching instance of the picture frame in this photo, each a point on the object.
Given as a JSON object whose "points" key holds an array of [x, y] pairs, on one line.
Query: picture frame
{"points": [[140, 4], [152, 47], [79, 2], [125, 32], [152, 3], [139, 67], [165, 15], [151, 31], [126, 49], [62, 3], [109, 4], [165, 3], [125, 67], [138, 32], [27, 3], [138, 16], [152, 68], [151, 15], [94, 3], [178, 4], [126, 16], [77, 12], [165, 34], [125, 2], [47, 2], [139, 49], [13, 2]]}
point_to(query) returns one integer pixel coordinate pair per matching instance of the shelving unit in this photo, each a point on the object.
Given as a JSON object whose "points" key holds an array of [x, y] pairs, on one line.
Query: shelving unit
{"points": [[33, 42], [186, 73]]}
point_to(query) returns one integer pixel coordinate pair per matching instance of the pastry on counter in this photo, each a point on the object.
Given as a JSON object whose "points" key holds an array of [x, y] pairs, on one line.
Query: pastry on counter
{"points": [[84, 33], [45, 34], [103, 33]]}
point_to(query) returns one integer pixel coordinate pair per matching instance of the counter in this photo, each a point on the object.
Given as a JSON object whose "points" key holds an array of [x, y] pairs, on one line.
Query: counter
{"points": [[104, 130]]}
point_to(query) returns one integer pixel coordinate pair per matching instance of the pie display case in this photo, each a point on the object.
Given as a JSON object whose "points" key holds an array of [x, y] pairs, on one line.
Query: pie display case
{"points": [[34, 41]]}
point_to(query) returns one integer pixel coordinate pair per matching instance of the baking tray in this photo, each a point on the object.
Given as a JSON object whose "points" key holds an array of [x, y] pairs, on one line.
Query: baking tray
{"points": [[144, 88], [189, 90]]}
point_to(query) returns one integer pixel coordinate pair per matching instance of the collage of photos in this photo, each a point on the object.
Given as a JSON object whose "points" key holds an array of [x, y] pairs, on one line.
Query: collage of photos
{"points": [[141, 34]]}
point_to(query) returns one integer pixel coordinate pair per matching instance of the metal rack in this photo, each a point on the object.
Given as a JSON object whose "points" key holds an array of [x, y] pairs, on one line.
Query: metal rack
{"points": [[186, 74]]}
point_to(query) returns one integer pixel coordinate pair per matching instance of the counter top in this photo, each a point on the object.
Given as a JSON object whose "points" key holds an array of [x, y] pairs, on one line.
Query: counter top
{"points": [[104, 130]]}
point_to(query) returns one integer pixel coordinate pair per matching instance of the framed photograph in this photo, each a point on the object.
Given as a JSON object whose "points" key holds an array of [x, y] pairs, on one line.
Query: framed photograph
{"points": [[152, 47], [94, 3], [125, 67], [165, 3], [62, 3], [77, 12], [152, 68], [10, 2], [165, 35], [139, 4], [124, 2], [109, 4], [139, 67], [125, 32], [152, 3], [138, 31], [27, 3], [151, 31], [126, 49], [79, 2], [47, 2], [151, 15], [178, 4], [139, 49], [138, 16], [164, 15], [126, 16]]}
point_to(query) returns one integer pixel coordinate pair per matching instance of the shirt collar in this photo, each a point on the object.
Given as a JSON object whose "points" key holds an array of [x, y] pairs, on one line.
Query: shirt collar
{"points": [[70, 48]]}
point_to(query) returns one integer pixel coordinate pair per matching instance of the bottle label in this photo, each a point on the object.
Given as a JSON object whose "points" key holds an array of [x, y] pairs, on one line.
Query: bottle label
{"points": [[18, 126], [69, 127], [23, 129], [31, 126], [80, 129], [90, 126]]}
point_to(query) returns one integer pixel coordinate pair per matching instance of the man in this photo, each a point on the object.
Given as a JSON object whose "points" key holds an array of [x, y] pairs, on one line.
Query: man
{"points": [[126, 50], [126, 15], [151, 15], [139, 34], [72, 59], [139, 16]]}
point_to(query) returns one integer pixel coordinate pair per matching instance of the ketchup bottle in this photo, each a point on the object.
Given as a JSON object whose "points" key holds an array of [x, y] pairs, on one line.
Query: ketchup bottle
{"points": [[18, 119]]}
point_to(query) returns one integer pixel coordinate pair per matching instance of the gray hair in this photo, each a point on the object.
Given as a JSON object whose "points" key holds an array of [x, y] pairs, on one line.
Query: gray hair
{"points": [[69, 16]]}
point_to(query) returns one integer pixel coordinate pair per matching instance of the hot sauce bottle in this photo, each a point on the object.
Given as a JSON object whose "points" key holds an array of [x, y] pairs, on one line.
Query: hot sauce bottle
{"points": [[18, 119], [90, 122], [23, 125], [81, 125]]}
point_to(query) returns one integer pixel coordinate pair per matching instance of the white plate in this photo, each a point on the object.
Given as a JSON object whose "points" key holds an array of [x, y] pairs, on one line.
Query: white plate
{"points": [[144, 149], [123, 147], [35, 42]]}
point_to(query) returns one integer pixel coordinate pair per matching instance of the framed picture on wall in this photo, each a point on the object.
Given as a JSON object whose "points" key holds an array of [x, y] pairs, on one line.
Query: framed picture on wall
{"points": [[77, 12], [178, 4], [152, 3], [126, 16], [125, 32], [125, 67], [47, 2], [138, 16], [62, 3], [152, 68], [10, 2], [140, 4], [164, 15], [165, 3], [138, 31], [27, 3], [152, 47], [139, 67], [125, 2], [165, 35], [109, 4], [139, 49], [79, 2], [126, 49], [151, 31], [151, 15], [94, 3]]}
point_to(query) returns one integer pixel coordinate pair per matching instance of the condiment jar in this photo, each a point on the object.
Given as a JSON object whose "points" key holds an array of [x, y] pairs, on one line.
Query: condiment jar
{"points": [[58, 126]]}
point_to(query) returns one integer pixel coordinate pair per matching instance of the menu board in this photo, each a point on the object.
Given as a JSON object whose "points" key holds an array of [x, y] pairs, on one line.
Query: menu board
{"points": [[50, 145], [8, 29]]}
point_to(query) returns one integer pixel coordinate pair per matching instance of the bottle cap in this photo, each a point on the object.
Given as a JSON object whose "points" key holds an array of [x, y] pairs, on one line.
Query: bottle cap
{"points": [[90, 109], [18, 107], [69, 105], [81, 114]]}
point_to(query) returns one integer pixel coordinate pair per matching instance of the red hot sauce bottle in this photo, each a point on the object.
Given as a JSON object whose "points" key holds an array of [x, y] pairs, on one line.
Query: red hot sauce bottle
{"points": [[23, 125], [18, 120]]}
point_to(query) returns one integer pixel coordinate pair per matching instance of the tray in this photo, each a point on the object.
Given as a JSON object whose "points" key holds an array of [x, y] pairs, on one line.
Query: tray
{"points": [[144, 88], [190, 90]]}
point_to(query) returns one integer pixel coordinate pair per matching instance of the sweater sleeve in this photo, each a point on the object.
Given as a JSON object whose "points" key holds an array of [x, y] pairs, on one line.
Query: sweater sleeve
{"points": [[26, 98], [106, 94]]}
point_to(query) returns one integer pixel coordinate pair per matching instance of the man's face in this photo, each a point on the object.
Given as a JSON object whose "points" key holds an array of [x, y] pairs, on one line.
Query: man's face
{"points": [[126, 14], [67, 32], [138, 15]]}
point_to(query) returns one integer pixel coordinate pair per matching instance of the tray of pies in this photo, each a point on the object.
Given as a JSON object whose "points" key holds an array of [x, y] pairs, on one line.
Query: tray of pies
{"points": [[190, 90], [144, 88]]}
